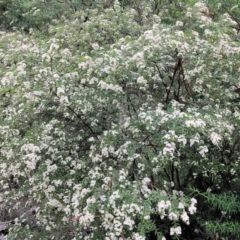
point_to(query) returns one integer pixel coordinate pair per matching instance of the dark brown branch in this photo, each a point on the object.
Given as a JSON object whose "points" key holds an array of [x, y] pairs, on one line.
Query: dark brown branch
{"points": [[168, 176], [80, 118], [185, 81], [178, 178], [176, 68], [84, 122]]}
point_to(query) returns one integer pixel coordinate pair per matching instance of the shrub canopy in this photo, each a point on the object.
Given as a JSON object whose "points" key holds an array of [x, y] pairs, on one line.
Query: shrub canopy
{"points": [[120, 119]]}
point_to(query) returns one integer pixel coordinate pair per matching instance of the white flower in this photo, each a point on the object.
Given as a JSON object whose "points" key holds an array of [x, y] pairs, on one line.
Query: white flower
{"points": [[189, 14], [203, 150], [207, 32], [181, 205], [145, 190], [192, 209], [60, 90], [182, 139], [196, 139], [139, 59], [93, 182], [161, 206], [105, 152], [86, 219], [195, 123], [180, 33], [168, 204], [169, 149], [30, 148], [138, 237], [196, 34], [35, 12], [146, 180], [232, 171], [53, 47], [95, 46], [193, 201], [185, 217], [142, 80], [129, 222], [176, 231], [215, 138], [179, 23], [173, 216], [64, 100], [201, 5], [117, 226]]}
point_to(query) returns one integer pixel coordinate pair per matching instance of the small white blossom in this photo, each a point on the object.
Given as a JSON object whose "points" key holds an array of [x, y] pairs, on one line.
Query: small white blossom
{"points": [[215, 138], [185, 217], [195, 139], [137, 236], [207, 32], [179, 23], [192, 209], [129, 222], [95, 46], [173, 216], [175, 231], [195, 123], [193, 201], [169, 149], [142, 80], [203, 150], [181, 205]]}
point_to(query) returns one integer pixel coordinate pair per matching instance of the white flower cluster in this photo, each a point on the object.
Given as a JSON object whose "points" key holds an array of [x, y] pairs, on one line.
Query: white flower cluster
{"points": [[166, 209], [175, 231], [192, 208], [30, 155], [215, 138], [195, 123]]}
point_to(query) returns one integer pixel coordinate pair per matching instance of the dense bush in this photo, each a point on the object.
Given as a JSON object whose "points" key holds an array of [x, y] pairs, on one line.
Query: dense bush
{"points": [[120, 122]]}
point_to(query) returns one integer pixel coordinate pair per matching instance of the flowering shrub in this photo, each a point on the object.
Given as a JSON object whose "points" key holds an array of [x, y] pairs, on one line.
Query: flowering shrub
{"points": [[109, 124]]}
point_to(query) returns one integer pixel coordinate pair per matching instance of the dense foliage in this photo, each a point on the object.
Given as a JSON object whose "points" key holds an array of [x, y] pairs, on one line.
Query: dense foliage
{"points": [[120, 119]]}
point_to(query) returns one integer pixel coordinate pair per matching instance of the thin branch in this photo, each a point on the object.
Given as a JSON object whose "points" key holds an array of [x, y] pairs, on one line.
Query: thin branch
{"points": [[168, 176], [172, 173], [176, 68], [80, 118], [185, 81], [160, 75], [84, 122]]}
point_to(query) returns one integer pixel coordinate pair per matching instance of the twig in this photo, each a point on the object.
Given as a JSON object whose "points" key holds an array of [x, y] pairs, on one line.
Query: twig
{"points": [[176, 68]]}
